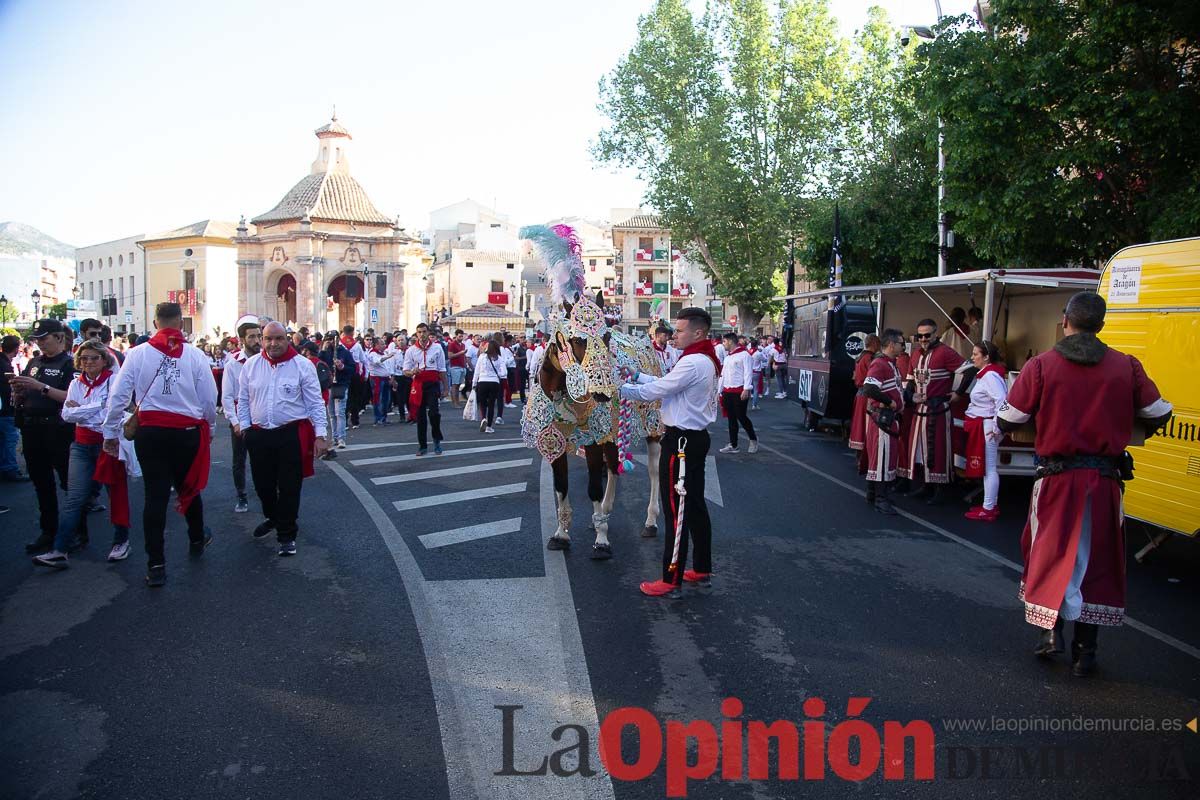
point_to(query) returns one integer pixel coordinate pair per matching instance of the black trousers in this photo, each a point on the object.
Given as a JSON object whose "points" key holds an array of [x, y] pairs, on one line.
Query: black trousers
{"points": [[429, 414], [166, 455], [239, 462], [697, 527], [737, 410], [47, 448], [487, 396], [522, 381], [403, 389], [358, 397], [276, 468]]}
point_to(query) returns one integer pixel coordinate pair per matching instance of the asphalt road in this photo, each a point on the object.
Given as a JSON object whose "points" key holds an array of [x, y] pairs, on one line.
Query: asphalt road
{"points": [[422, 598]]}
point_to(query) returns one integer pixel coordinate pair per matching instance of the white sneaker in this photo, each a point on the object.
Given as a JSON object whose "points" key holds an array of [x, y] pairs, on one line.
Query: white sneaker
{"points": [[780, 396], [341, 444], [753, 448], [728, 449], [510, 405], [53, 559], [482, 425], [119, 552], [489, 430], [499, 420]]}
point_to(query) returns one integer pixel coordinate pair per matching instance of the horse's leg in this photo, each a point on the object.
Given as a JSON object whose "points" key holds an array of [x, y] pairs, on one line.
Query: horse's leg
{"points": [[597, 494], [653, 454], [612, 461], [561, 540]]}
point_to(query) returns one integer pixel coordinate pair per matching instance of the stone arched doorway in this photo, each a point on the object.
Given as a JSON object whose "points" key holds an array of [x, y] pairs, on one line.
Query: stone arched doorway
{"points": [[345, 293], [284, 292]]}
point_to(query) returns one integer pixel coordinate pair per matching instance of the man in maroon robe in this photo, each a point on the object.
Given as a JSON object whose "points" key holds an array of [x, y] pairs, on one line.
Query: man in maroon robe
{"points": [[1085, 399], [884, 404], [928, 453]]}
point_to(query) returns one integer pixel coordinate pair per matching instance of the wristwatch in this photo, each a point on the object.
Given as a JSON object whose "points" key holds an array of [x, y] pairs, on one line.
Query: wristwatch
{"points": [[45, 389]]}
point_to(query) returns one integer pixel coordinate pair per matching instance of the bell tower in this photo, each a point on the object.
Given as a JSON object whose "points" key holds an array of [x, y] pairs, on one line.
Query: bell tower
{"points": [[333, 148]]}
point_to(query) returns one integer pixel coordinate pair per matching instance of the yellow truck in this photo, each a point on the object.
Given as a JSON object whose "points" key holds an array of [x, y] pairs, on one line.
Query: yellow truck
{"points": [[1153, 295]]}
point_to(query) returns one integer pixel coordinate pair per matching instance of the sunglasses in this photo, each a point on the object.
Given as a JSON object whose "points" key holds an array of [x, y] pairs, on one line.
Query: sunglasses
{"points": [[89, 358], [920, 336]]}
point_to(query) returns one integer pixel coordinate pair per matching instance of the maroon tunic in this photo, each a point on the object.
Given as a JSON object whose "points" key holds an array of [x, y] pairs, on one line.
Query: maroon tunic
{"points": [[929, 439], [858, 417], [882, 448], [1084, 398]]}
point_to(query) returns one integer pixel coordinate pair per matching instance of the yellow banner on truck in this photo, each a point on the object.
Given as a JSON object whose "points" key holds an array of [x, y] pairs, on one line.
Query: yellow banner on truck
{"points": [[1153, 295]]}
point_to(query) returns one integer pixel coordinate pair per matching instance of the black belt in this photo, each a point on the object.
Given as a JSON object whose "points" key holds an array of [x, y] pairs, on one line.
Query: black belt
{"points": [[1115, 467], [686, 430], [934, 406], [42, 421]]}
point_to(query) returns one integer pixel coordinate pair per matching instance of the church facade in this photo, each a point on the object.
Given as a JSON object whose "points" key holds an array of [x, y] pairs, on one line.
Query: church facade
{"points": [[324, 256]]}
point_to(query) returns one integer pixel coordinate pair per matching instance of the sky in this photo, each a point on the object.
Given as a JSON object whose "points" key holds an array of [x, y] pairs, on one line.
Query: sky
{"points": [[122, 117]]}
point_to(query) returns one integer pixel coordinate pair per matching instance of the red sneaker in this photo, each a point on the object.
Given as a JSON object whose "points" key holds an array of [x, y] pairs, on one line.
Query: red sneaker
{"points": [[984, 515], [691, 576], [659, 589]]}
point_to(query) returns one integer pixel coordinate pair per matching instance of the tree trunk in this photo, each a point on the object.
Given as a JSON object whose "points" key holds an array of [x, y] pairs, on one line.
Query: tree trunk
{"points": [[748, 319]]}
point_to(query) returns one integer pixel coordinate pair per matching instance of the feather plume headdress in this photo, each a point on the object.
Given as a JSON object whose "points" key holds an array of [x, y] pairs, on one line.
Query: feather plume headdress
{"points": [[559, 247]]}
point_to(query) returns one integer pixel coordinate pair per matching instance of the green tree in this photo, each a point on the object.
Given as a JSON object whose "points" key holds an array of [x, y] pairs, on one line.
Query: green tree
{"points": [[1070, 127], [56, 311], [731, 119]]}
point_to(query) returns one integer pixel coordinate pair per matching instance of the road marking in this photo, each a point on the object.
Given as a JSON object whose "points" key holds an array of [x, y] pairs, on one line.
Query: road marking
{"points": [[377, 445], [1154, 633], [363, 462], [470, 533], [459, 497], [440, 473], [712, 482]]}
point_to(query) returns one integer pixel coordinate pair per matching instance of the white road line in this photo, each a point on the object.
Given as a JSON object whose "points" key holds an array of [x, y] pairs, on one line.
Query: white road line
{"points": [[350, 448], [441, 473], [363, 462], [1154, 633], [459, 497], [470, 533]]}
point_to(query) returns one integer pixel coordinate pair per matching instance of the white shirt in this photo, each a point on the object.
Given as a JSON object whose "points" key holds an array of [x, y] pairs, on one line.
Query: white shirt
{"points": [[720, 348], [535, 359], [432, 357], [758, 361], [274, 395], [360, 357], [667, 356], [490, 370], [688, 392], [378, 365], [510, 361], [472, 354], [778, 356], [90, 412], [397, 362], [987, 396], [229, 385], [183, 385], [736, 372]]}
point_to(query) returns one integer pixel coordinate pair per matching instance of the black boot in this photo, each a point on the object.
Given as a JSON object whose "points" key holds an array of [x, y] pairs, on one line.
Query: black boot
{"points": [[883, 499], [1083, 649], [918, 489], [1050, 641], [870, 493], [938, 496]]}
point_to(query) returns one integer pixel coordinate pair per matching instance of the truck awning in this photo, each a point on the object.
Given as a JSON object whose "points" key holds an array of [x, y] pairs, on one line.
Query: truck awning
{"points": [[1067, 278]]}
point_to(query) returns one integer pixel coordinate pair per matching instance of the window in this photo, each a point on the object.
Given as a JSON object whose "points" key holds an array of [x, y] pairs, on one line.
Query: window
{"points": [[110, 287], [497, 286], [132, 292], [110, 262], [608, 261], [121, 260], [381, 286], [644, 310], [609, 283], [646, 243], [131, 257], [90, 265], [121, 291], [189, 279], [509, 266], [592, 263], [469, 263], [91, 291]]}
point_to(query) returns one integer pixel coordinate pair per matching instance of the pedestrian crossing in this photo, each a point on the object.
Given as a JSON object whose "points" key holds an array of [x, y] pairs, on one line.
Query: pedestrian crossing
{"points": [[467, 513]]}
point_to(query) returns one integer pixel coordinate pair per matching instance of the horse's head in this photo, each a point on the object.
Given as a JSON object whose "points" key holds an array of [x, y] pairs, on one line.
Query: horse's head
{"points": [[578, 358]]}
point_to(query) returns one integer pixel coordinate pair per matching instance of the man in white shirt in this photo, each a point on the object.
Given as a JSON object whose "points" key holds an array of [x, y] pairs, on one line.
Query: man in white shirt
{"points": [[510, 371], [249, 331], [736, 377], [666, 353], [779, 360], [360, 393], [425, 362], [688, 394], [176, 394], [759, 361], [282, 418]]}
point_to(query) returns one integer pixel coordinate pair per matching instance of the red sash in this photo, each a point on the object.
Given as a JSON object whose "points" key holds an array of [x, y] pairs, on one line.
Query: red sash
{"points": [[975, 446], [417, 393], [111, 472], [87, 436], [196, 479], [308, 443], [724, 392]]}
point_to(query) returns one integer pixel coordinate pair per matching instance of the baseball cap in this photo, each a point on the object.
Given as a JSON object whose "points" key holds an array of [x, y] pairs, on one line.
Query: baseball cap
{"points": [[44, 327]]}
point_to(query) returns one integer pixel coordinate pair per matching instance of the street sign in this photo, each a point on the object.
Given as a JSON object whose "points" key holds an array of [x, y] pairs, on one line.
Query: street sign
{"points": [[374, 317], [129, 316]]}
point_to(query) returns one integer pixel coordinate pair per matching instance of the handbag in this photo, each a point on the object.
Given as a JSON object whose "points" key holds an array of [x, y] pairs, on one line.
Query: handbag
{"points": [[471, 408], [130, 428], [338, 391]]}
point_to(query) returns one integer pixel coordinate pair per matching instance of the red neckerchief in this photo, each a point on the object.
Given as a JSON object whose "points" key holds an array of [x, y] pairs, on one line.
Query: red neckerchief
{"points": [[735, 350], [377, 348], [90, 384], [658, 347], [996, 368], [424, 346], [348, 341], [240, 356], [168, 341], [288, 355], [703, 347], [778, 347]]}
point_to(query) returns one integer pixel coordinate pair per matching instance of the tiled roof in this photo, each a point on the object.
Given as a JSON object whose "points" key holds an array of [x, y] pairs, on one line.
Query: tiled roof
{"points": [[214, 228], [331, 196], [488, 256], [487, 310], [642, 221], [333, 128]]}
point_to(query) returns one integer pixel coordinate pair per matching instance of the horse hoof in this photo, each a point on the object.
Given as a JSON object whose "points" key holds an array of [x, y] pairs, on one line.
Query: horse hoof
{"points": [[650, 531], [601, 552], [557, 543]]}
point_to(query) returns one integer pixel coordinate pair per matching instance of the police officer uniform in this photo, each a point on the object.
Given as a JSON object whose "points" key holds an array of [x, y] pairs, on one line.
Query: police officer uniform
{"points": [[45, 438]]}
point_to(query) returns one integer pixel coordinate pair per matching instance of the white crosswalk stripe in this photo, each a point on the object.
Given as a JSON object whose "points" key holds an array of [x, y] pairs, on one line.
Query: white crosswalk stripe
{"points": [[471, 533], [459, 497], [350, 448], [462, 451], [450, 471]]}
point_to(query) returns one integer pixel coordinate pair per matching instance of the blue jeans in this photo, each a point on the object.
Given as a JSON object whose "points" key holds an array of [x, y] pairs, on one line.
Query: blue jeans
{"points": [[71, 516], [754, 392], [8, 446], [337, 410], [385, 400]]}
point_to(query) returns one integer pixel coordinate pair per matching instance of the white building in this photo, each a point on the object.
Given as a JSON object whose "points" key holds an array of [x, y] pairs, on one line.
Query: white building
{"points": [[115, 269], [31, 261], [197, 267], [652, 267]]}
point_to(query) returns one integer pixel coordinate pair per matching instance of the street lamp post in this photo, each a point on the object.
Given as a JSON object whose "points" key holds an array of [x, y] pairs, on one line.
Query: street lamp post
{"points": [[923, 32], [3, 310], [36, 297]]}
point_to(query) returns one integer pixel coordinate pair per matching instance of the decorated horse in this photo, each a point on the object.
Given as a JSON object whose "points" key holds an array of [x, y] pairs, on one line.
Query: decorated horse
{"points": [[573, 403]]}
